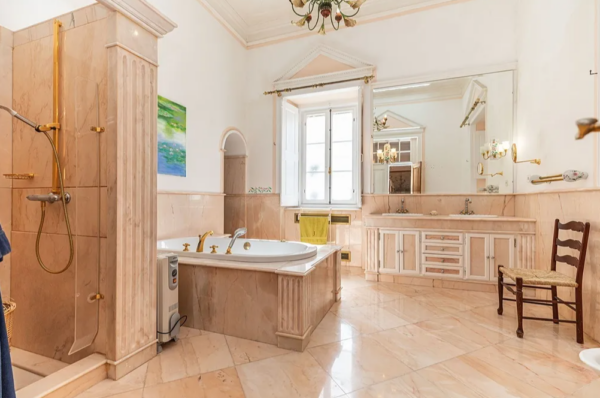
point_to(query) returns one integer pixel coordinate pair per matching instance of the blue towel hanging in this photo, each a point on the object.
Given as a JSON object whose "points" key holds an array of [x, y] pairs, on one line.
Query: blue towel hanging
{"points": [[4, 244]]}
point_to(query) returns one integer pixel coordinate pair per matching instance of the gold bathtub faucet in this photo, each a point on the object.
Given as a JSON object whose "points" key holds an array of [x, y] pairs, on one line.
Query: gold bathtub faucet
{"points": [[200, 247]]}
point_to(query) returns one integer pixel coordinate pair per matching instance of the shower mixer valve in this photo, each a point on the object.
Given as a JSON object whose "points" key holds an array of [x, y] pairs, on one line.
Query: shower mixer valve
{"points": [[50, 198]]}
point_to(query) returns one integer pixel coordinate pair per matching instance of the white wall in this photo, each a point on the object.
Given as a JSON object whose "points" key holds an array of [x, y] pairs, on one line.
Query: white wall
{"points": [[203, 68], [465, 35], [556, 50], [19, 14]]}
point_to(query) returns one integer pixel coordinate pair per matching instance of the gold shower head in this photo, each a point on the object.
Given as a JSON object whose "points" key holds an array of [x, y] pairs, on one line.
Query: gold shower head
{"points": [[586, 126]]}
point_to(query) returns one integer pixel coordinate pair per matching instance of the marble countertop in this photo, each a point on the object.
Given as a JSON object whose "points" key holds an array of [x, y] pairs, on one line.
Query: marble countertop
{"points": [[300, 267], [448, 218]]}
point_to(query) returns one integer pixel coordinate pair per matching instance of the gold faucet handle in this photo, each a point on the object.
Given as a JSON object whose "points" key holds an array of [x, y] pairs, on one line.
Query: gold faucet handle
{"points": [[214, 249], [186, 247]]}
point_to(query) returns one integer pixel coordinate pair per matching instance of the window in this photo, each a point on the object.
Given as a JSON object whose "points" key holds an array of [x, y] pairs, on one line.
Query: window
{"points": [[329, 161]]}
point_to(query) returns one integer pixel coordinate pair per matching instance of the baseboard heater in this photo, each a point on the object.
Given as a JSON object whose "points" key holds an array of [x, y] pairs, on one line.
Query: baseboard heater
{"points": [[346, 256], [336, 219]]}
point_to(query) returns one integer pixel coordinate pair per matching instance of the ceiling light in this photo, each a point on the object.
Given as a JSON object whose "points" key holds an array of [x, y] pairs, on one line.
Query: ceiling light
{"points": [[325, 11]]}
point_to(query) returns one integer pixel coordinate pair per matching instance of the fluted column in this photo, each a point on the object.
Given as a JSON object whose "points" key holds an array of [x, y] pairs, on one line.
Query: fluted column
{"points": [[131, 132]]}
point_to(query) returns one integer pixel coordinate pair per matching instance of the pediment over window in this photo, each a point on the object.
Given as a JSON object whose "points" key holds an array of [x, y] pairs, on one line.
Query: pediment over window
{"points": [[396, 121], [324, 64]]}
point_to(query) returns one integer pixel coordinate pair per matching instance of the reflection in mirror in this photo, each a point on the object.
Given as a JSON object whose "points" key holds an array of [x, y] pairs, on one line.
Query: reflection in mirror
{"points": [[430, 137]]}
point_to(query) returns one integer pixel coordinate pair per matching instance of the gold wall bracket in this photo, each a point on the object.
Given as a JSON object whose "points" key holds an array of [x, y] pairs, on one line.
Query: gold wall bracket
{"points": [[514, 157], [96, 297], [28, 176], [97, 129]]}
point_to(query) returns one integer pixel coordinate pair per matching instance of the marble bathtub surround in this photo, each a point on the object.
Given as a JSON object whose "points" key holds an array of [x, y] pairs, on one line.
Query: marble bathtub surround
{"points": [[6, 92], [470, 353], [279, 305], [259, 213]]}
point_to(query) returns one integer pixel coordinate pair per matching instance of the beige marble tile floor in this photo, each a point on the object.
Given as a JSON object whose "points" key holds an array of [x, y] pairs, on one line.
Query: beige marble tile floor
{"points": [[381, 341]]}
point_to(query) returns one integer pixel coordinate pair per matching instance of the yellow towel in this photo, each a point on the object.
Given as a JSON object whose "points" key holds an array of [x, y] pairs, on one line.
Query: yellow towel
{"points": [[314, 230]]}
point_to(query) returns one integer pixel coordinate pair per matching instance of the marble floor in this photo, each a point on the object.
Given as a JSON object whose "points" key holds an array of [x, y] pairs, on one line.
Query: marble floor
{"points": [[382, 341]]}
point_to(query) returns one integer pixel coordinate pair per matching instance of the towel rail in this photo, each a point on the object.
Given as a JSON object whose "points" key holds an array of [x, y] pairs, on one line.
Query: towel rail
{"points": [[334, 219]]}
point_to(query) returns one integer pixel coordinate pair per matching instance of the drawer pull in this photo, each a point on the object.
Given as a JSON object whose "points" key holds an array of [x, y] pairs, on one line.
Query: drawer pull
{"points": [[443, 237], [443, 270], [443, 260], [443, 249]]}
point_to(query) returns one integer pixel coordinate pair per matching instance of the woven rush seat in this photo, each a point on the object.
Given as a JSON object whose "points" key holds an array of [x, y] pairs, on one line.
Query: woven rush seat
{"points": [[539, 277]]}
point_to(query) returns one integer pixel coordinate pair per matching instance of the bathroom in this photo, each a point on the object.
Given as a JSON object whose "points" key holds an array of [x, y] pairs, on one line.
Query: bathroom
{"points": [[383, 293]]}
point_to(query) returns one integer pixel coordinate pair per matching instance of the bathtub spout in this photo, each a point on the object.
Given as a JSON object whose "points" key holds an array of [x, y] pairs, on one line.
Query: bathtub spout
{"points": [[236, 234]]}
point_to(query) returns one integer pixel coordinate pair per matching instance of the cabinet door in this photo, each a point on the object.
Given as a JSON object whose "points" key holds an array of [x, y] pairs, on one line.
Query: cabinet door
{"points": [[409, 252], [389, 254], [478, 257], [502, 252]]}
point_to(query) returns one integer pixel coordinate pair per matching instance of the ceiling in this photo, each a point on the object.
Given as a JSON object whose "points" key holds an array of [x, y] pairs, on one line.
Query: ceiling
{"points": [[260, 21], [434, 91]]}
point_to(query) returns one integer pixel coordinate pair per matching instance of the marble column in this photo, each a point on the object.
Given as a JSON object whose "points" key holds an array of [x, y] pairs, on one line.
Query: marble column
{"points": [[134, 28], [6, 47]]}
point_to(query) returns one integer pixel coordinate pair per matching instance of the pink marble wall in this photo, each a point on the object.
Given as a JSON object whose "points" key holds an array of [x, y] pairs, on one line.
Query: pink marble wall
{"points": [[6, 44], [568, 206], [46, 302], [189, 214], [261, 214]]}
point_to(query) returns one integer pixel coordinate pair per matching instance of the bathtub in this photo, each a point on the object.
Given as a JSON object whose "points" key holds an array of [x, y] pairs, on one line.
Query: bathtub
{"points": [[260, 251]]}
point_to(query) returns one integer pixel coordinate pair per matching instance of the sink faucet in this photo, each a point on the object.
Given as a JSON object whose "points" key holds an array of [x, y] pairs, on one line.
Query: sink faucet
{"points": [[238, 232], [466, 211], [200, 247], [402, 209]]}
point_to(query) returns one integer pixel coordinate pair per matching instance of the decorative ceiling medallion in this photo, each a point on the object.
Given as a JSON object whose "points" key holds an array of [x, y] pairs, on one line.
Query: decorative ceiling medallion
{"points": [[325, 11]]}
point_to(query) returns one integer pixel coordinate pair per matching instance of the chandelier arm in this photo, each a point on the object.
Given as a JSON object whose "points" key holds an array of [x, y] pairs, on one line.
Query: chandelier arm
{"points": [[316, 23], [294, 9], [333, 23], [350, 16]]}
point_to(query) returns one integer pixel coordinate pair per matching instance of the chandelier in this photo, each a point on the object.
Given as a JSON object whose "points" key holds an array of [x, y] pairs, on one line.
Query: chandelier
{"points": [[325, 10]]}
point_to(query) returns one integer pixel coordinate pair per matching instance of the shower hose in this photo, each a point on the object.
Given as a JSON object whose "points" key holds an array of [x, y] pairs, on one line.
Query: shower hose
{"points": [[64, 205]]}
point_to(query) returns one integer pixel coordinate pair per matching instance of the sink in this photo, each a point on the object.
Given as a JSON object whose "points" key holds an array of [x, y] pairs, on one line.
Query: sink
{"points": [[402, 215], [473, 216]]}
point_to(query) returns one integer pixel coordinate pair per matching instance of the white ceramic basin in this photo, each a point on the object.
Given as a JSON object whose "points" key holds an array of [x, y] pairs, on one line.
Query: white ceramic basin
{"points": [[474, 216], [402, 215], [591, 357]]}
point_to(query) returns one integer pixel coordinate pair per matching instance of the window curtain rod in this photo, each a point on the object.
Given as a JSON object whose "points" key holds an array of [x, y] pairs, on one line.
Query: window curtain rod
{"points": [[366, 79]]}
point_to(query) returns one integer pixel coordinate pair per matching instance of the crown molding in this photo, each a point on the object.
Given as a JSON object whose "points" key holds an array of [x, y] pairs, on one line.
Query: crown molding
{"points": [[143, 14]]}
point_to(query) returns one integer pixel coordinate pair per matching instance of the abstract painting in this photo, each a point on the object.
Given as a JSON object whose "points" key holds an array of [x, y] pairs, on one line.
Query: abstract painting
{"points": [[171, 138]]}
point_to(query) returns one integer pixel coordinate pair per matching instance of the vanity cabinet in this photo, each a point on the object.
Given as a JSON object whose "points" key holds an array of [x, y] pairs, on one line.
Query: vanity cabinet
{"points": [[455, 255], [484, 252], [399, 252]]}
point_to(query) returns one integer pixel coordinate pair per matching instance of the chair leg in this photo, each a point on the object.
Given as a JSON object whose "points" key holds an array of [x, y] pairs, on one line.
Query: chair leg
{"points": [[554, 291], [579, 313], [520, 307], [500, 292]]}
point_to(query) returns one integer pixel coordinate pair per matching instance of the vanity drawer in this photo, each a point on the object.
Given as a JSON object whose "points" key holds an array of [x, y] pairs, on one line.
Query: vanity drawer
{"points": [[432, 270], [442, 237], [442, 248], [441, 259]]}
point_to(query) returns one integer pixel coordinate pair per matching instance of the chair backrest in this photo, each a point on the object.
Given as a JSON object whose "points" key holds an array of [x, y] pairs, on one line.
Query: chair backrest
{"points": [[579, 245]]}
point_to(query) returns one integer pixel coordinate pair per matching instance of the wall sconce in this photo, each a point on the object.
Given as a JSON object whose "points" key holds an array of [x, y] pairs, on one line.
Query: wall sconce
{"points": [[494, 150], [514, 157], [380, 155], [380, 124], [480, 171], [586, 126]]}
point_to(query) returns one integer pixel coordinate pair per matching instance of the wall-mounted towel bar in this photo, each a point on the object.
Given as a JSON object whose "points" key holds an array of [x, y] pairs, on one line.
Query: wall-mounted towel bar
{"points": [[334, 219], [567, 176]]}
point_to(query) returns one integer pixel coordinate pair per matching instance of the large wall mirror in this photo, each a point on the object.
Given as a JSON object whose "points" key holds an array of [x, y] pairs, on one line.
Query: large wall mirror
{"points": [[430, 137]]}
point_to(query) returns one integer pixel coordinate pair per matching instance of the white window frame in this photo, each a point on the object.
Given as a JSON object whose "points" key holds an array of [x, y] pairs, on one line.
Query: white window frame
{"points": [[356, 164]]}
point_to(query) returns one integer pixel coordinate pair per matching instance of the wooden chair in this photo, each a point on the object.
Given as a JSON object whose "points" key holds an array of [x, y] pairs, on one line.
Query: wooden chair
{"points": [[550, 280]]}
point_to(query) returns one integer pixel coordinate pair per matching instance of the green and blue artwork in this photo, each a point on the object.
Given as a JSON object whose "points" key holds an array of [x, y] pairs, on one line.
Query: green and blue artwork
{"points": [[171, 138]]}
